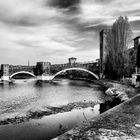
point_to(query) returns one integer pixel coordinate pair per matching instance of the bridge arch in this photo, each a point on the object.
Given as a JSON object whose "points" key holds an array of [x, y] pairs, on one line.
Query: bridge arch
{"points": [[22, 72], [80, 69]]}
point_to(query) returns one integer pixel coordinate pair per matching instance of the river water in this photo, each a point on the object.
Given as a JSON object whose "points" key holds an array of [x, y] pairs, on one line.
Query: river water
{"points": [[24, 95]]}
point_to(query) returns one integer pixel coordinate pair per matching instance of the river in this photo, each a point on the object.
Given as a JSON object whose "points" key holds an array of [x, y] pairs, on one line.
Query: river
{"points": [[25, 95]]}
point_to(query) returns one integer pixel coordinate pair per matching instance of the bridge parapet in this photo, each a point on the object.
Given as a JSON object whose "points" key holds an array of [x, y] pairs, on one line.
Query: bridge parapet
{"points": [[51, 77], [89, 66], [59, 67]]}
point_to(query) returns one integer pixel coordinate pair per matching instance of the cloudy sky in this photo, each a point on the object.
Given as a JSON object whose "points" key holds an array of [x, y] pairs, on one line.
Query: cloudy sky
{"points": [[46, 30]]}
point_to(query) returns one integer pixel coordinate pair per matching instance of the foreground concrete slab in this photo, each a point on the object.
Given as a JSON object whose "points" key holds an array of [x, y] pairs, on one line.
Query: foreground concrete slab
{"points": [[119, 123]]}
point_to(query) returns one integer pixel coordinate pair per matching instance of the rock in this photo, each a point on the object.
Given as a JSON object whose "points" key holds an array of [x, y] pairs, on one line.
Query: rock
{"points": [[116, 93], [38, 112], [111, 91]]}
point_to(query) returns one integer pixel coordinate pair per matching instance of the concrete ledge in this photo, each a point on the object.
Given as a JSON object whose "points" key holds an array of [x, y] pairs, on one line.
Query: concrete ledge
{"points": [[119, 123]]}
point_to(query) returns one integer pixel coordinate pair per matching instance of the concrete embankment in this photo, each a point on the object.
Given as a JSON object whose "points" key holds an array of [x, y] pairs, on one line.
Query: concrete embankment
{"points": [[121, 122]]}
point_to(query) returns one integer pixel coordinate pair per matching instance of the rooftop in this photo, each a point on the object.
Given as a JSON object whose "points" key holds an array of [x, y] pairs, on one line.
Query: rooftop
{"points": [[72, 58]]}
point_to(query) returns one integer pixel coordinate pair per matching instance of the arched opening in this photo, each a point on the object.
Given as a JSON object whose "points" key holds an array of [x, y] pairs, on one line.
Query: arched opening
{"points": [[93, 75], [22, 75]]}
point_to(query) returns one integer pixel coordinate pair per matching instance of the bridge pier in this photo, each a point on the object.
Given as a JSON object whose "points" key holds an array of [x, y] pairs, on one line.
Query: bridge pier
{"points": [[45, 78], [5, 78], [5, 72]]}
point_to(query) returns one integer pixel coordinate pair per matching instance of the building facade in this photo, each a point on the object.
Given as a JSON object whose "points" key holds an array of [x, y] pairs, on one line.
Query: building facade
{"points": [[137, 48]]}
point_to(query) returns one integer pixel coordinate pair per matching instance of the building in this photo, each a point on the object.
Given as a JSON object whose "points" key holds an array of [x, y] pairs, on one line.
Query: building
{"points": [[103, 37], [43, 68], [136, 53], [72, 60], [137, 48], [5, 69], [136, 42]]}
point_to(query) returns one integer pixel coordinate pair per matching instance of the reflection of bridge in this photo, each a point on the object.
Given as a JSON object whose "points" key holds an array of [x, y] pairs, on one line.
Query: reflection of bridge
{"points": [[46, 71]]}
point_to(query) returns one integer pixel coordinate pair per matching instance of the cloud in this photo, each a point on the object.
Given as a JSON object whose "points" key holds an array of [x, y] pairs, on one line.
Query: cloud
{"points": [[25, 12], [44, 31], [64, 3], [105, 12]]}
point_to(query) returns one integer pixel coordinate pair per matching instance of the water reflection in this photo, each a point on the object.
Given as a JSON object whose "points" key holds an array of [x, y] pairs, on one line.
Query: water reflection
{"points": [[25, 95], [48, 127], [60, 92]]}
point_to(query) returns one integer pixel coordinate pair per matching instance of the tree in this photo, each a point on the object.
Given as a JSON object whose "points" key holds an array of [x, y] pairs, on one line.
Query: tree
{"points": [[117, 44]]}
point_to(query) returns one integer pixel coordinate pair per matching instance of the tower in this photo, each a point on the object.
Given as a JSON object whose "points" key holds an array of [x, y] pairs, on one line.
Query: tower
{"points": [[137, 49], [43, 68], [5, 72], [103, 36], [72, 61]]}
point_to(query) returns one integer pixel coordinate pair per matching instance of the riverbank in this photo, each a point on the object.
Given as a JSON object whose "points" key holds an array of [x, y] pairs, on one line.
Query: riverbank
{"points": [[120, 86], [38, 113], [97, 129], [120, 122]]}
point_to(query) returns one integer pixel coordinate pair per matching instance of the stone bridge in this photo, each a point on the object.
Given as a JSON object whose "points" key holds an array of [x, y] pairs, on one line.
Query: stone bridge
{"points": [[9, 71], [51, 77], [46, 71]]}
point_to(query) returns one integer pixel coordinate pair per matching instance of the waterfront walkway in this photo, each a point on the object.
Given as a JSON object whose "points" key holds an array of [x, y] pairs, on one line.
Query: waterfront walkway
{"points": [[119, 123]]}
